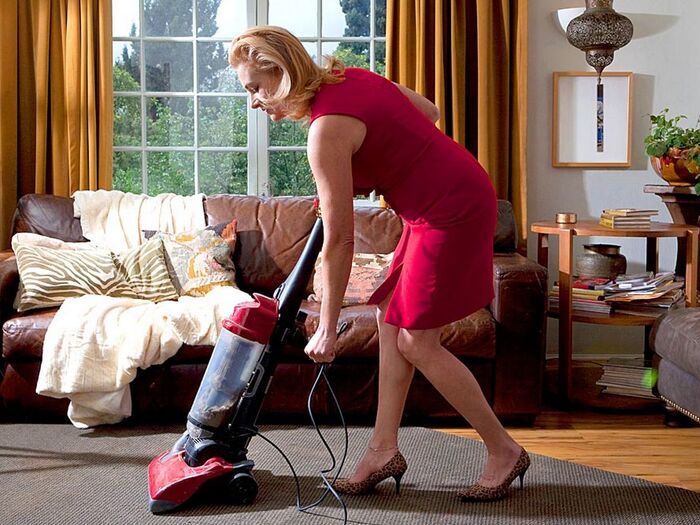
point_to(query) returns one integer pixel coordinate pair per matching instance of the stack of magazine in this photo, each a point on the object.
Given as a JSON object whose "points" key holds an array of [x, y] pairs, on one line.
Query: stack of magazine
{"points": [[628, 377], [646, 293], [586, 295], [626, 218]]}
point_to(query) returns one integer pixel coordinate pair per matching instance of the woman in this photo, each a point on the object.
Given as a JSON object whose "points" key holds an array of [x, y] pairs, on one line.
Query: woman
{"points": [[367, 133]]}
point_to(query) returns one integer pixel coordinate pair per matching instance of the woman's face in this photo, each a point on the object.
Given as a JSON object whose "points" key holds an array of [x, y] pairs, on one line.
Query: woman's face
{"points": [[260, 84]]}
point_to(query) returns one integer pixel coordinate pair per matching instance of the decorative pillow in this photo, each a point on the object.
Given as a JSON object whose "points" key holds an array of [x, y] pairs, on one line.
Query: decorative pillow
{"points": [[51, 271], [145, 269], [368, 271], [200, 260]]}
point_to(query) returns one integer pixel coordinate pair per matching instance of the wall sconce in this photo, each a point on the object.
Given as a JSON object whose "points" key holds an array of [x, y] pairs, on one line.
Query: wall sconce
{"points": [[599, 31]]}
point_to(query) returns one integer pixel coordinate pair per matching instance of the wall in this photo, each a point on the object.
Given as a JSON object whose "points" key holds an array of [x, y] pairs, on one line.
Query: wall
{"points": [[666, 75]]}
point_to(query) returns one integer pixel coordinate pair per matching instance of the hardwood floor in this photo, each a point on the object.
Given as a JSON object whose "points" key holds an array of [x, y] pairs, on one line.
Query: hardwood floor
{"points": [[633, 444]]}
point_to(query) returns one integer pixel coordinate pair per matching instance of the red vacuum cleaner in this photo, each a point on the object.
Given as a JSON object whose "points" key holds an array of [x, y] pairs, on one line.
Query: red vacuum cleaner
{"points": [[212, 452]]}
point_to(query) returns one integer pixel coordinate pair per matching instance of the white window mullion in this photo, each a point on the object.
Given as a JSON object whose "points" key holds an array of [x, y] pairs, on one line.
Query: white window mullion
{"points": [[195, 101], [372, 15], [262, 178], [142, 81], [372, 34], [319, 33]]}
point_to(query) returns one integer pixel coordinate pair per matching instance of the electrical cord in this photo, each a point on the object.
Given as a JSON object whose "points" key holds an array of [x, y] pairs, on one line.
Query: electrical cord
{"points": [[329, 484]]}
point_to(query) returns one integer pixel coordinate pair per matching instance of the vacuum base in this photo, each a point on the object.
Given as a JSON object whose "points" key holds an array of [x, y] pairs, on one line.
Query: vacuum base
{"points": [[171, 481]]}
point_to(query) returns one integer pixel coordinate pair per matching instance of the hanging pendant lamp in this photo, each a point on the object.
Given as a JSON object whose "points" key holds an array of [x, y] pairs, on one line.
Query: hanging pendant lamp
{"points": [[599, 31]]}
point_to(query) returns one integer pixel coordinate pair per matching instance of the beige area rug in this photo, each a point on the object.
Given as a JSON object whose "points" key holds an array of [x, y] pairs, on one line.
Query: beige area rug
{"points": [[57, 474]]}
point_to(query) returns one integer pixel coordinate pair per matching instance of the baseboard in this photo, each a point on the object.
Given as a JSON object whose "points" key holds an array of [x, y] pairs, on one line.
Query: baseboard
{"points": [[594, 357]]}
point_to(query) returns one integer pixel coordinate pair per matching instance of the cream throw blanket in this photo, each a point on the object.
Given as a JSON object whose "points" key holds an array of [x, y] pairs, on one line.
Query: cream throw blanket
{"points": [[95, 345], [114, 219]]}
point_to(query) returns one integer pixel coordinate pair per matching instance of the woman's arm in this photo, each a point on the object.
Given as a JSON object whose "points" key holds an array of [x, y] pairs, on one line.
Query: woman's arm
{"points": [[332, 141], [429, 109]]}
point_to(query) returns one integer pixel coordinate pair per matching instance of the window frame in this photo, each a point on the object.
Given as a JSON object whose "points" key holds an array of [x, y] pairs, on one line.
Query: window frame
{"points": [[258, 148]]}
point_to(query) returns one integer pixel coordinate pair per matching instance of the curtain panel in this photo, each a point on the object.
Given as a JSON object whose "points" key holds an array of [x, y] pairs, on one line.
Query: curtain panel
{"points": [[470, 58], [56, 99]]}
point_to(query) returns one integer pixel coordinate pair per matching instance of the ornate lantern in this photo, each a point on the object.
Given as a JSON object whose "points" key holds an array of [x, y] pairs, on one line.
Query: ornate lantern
{"points": [[599, 31]]}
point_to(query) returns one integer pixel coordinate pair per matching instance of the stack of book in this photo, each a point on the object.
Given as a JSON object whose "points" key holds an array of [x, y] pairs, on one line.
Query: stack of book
{"points": [[587, 295], [628, 377], [629, 218], [646, 294]]}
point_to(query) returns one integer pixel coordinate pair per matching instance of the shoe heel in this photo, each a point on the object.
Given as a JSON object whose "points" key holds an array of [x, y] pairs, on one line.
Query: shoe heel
{"points": [[397, 479], [521, 476]]}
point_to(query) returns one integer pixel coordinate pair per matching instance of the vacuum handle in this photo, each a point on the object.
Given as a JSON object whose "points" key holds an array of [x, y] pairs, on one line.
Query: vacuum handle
{"points": [[291, 292]]}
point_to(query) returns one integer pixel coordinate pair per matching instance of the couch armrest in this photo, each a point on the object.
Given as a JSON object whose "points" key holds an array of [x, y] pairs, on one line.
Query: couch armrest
{"points": [[519, 308], [9, 282]]}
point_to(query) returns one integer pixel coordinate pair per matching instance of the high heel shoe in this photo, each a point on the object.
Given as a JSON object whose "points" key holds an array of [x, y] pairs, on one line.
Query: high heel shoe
{"points": [[394, 468], [479, 492]]}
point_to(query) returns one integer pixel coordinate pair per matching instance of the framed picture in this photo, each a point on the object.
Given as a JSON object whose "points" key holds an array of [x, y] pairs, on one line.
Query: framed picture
{"points": [[591, 122]]}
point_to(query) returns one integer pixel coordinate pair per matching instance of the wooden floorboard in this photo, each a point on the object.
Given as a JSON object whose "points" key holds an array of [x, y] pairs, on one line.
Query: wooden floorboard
{"points": [[633, 444]]}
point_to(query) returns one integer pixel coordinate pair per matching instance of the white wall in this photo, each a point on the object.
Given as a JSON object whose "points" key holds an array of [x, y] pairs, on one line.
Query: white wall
{"points": [[662, 56]]}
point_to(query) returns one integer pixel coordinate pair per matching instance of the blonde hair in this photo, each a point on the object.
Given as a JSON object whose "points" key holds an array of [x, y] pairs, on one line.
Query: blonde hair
{"points": [[273, 49]]}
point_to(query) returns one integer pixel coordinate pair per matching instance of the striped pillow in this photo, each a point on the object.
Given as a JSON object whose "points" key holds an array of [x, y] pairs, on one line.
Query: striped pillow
{"points": [[51, 271]]}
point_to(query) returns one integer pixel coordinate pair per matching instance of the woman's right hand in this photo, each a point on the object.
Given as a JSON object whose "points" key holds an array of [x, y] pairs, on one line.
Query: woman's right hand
{"points": [[321, 346]]}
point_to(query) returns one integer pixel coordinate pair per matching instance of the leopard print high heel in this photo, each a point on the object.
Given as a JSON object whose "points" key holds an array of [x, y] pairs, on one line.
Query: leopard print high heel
{"points": [[394, 468], [479, 492]]}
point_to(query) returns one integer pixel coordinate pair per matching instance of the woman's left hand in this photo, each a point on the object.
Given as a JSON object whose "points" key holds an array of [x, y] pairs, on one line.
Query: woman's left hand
{"points": [[321, 347]]}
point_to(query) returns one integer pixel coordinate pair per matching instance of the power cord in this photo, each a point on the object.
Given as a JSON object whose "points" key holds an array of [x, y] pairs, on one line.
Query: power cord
{"points": [[329, 484]]}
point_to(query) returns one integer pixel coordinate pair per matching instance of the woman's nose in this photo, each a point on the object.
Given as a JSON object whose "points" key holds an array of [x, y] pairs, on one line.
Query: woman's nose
{"points": [[254, 103]]}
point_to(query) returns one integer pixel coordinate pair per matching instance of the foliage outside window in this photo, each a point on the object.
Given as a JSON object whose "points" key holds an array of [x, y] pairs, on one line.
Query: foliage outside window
{"points": [[181, 118]]}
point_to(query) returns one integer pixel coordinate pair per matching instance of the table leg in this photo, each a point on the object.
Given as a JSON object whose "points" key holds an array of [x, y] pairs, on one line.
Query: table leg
{"points": [[543, 249], [565, 314], [652, 254], [652, 265], [691, 268]]}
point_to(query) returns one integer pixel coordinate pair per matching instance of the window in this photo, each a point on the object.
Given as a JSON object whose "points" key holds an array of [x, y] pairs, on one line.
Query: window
{"points": [[182, 122]]}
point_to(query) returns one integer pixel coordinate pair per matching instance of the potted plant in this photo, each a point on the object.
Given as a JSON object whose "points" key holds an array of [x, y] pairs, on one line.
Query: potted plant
{"points": [[674, 151]]}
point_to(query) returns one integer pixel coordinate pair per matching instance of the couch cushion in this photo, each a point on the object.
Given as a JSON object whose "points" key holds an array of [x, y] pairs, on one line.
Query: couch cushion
{"points": [[676, 337], [473, 337], [271, 234], [377, 230], [47, 215]]}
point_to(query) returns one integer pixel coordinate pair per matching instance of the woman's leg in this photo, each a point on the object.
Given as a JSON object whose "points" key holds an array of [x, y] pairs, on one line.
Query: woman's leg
{"points": [[395, 374], [458, 386]]}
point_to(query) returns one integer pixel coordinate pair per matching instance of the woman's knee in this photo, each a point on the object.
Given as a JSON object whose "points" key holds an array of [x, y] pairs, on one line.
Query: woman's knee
{"points": [[416, 345]]}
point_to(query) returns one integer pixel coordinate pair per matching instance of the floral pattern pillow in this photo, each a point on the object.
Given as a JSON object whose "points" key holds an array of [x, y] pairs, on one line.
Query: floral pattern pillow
{"points": [[368, 271], [200, 260]]}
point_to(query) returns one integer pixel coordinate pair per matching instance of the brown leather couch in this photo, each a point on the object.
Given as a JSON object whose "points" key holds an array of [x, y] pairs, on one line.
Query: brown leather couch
{"points": [[503, 343]]}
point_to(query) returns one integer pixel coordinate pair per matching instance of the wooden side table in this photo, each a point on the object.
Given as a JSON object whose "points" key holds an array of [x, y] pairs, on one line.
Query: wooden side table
{"points": [[686, 235], [683, 203]]}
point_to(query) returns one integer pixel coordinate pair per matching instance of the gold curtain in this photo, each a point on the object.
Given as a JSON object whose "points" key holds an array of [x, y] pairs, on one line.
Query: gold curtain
{"points": [[56, 99], [427, 52], [470, 58]]}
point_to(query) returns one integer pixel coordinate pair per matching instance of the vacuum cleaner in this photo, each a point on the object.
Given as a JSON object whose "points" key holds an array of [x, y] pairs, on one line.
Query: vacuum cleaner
{"points": [[212, 451]]}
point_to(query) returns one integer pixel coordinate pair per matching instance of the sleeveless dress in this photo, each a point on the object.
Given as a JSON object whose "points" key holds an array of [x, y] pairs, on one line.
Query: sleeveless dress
{"points": [[442, 268]]}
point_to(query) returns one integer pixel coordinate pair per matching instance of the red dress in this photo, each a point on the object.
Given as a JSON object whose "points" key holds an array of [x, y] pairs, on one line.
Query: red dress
{"points": [[442, 268]]}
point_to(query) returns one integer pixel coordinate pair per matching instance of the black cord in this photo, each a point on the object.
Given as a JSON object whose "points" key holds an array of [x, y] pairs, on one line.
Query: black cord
{"points": [[329, 484]]}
